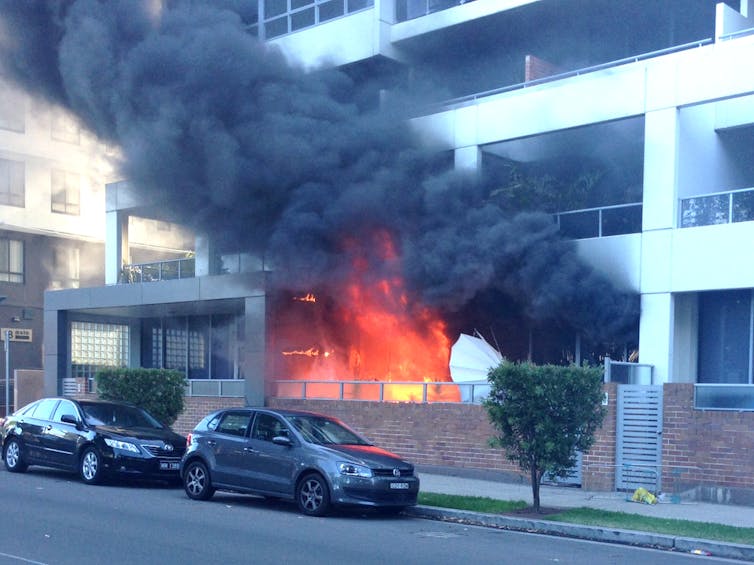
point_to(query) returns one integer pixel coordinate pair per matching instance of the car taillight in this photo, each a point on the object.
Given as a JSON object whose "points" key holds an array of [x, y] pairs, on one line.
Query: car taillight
{"points": [[188, 440]]}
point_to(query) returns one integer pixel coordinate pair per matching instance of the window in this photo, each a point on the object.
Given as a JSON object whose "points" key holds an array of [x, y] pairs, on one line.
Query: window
{"points": [[725, 337], [43, 410], [66, 263], [97, 345], [11, 260], [66, 188], [12, 183], [65, 408], [12, 110], [234, 423], [267, 427]]}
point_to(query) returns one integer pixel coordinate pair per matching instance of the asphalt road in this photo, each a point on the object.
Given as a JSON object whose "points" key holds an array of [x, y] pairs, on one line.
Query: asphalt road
{"points": [[49, 517]]}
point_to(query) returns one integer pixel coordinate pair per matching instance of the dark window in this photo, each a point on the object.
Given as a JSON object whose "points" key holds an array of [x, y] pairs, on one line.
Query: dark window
{"points": [[296, 4], [302, 19], [267, 427], [725, 347], [330, 10], [11, 260], [12, 111], [275, 28], [274, 8], [234, 423], [354, 5]]}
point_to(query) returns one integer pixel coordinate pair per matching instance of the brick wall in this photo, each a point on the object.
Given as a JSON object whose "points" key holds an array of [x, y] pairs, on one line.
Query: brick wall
{"points": [[197, 407], [706, 454], [709, 451]]}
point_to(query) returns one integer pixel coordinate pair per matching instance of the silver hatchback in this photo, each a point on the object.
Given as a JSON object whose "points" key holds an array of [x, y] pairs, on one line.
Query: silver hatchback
{"points": [[312, 459]]}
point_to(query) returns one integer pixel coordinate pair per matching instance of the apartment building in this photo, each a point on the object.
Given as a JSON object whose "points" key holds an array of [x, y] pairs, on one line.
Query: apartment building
{"points": [[52, 223], [646, 104]]}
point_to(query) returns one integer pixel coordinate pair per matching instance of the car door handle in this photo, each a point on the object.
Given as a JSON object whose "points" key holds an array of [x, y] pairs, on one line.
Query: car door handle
{"points": [[250, 450], [211, 442], [48, 428]]}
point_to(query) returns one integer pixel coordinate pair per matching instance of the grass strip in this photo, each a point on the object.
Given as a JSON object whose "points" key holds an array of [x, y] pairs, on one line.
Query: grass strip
{"points": [[601, 518], [628, 521]]}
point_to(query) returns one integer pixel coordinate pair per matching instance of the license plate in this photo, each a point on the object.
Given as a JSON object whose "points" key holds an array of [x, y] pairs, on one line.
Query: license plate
{"points": [[168, 466], [399, 486]]}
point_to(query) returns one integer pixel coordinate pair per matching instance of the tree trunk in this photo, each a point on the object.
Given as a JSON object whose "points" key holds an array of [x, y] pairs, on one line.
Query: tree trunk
{"points": [[535, 487]]}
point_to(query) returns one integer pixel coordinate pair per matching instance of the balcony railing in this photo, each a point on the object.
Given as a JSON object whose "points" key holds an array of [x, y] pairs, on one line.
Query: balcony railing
{"points": [[228, 388], [158, 271], [718, 208], [474, 98], [738, 397], [423, 392], [410, 9], [600, 222]]}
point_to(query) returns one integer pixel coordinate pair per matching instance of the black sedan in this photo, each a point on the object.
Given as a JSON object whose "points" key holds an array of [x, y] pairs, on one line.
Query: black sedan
{"points": [[97, 439], [312, 459]]}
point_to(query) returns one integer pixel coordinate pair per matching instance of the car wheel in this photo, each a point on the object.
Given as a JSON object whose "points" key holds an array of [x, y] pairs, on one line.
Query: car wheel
{"points": [[196, 481], [313, 495], [90, 466], [14, 461]]}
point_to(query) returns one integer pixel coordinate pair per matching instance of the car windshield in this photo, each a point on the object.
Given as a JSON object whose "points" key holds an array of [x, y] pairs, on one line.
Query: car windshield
{"points": [[99, 414], [317, 429]]}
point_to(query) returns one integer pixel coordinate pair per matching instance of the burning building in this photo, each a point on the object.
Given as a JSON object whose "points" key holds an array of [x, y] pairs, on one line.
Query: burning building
{"points": [[356, 203]]}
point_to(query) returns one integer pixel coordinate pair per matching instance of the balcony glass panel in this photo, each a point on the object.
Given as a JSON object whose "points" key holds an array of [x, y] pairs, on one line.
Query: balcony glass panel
{"points": [[580, 225], [724, 397], [354, 5], [705, 210], [302, 19], [330, 10], [276, 28], [623, 220], [274, 8], [743, 206]]}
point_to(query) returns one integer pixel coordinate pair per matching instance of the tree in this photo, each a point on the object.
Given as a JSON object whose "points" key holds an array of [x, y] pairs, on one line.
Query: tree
{"points": [[159, 391], [544, 415]]}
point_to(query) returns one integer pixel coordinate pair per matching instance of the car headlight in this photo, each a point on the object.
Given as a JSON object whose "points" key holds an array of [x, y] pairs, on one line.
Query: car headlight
{"points": [[122, 445], [354, 470]]}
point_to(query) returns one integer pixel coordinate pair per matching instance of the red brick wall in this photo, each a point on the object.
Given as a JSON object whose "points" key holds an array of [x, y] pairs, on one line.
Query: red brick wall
{"points": [[197, 407], [708, 449]]}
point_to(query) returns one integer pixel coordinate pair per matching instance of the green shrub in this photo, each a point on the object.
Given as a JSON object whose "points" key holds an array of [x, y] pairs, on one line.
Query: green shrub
{"points": [[159, 391]]}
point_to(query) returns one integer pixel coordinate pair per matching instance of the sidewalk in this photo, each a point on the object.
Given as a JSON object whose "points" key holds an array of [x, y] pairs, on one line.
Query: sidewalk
{"points": [[569, 497]]}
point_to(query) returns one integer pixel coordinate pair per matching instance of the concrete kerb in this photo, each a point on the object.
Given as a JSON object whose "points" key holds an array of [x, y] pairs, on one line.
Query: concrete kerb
{"points": [[592, 533]]}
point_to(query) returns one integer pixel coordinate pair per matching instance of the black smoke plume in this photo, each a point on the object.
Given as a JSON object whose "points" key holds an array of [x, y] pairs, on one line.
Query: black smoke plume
{"points": [[272, 158]]}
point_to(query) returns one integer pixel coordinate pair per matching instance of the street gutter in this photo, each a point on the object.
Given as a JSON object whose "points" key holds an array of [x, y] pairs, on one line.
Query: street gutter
{"points": [[592, 533]]}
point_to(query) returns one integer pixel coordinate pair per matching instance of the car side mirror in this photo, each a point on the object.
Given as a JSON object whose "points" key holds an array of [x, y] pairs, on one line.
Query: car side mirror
{"points": [[282, 440], [69, 419]]}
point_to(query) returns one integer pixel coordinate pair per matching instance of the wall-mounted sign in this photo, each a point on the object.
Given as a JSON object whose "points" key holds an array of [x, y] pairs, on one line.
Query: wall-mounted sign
{"points": [[16, 334]]}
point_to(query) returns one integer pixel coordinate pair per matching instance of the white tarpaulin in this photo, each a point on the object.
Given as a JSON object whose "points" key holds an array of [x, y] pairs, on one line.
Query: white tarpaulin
{"points": [[471, 358]]}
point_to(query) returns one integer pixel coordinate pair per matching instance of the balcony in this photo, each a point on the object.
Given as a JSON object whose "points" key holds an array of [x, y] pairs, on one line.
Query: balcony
{"points": [[410, 9], [718, 208], [279, 19], [158, 271], [601, 222]]}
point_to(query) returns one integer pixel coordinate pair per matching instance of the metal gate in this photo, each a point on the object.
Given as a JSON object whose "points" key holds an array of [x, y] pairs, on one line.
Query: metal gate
{"points": [[638, 449]]}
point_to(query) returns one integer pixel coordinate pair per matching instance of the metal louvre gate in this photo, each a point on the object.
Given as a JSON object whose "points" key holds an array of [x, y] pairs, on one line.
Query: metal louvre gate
{"points": [[638, 447]]}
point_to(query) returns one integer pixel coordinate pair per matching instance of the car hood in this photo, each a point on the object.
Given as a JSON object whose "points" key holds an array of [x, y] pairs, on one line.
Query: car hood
{"points": [[370, 455], [142, 433]]}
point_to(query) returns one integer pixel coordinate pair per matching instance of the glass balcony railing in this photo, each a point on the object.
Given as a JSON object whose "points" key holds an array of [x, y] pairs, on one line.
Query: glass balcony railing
{"points": [[158, 271], [600, 222], [719, 208], [410, 9], [280, 18]]}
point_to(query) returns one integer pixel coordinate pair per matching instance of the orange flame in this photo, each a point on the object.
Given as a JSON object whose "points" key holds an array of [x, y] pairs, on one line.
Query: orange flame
{"points": [[308, 297], [372, 333]]}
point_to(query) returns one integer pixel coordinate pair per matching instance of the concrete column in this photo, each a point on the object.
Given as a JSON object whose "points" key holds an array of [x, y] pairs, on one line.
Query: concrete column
{"points": [[657, 323], [205, 256], [116, 245], [468, 158], [253, 354]]}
